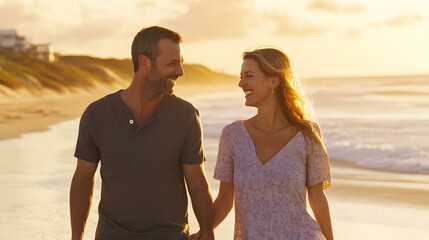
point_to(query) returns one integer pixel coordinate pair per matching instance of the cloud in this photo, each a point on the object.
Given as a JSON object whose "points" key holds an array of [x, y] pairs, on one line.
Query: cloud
{"points": [[335, 8], [399, 20], [52, 26], [206, 20], [353, 32], [289, 26], [326, 6], [146, 4], [405, 19], [90, 31], [354, 9], [18, 12]]}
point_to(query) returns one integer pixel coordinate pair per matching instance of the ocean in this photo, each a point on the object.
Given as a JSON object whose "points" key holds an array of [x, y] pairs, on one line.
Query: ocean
{"points": [[379, 123]]}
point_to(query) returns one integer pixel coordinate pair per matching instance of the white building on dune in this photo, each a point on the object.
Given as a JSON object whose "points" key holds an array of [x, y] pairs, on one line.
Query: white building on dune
{"points": [[42, 51], [10, 41]]}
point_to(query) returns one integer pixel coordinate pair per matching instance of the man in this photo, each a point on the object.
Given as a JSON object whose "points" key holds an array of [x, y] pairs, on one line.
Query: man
{"points": [[148, 142]]}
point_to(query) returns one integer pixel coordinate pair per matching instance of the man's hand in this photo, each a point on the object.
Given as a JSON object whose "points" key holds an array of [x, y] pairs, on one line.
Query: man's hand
{"points": [[202, 236]]}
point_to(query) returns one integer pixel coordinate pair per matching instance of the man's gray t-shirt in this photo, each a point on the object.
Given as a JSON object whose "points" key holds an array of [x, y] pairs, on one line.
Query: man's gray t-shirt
{"points": [[143, 192]]}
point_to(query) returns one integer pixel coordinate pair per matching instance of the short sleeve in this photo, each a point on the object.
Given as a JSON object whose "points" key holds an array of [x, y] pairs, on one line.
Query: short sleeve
{"points": [[318, 170], [224, 170], [86, 147], [193, 151]]}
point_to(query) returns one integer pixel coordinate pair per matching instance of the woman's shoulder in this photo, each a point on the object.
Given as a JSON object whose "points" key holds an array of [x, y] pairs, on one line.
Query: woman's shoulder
{"points": [[233, 129], [233, 126]]}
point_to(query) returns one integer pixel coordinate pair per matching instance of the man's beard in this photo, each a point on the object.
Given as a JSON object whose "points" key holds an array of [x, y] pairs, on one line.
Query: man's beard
{"points": [[162, 84], [168, 85]]}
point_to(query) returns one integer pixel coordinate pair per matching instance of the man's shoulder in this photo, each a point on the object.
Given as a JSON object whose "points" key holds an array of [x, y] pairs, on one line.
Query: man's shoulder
{"points": [[101, 104], [103, 101], [181, 103]]}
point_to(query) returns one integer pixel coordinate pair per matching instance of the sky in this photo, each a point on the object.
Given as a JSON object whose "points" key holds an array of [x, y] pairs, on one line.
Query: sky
{"points": [[323, 38]]}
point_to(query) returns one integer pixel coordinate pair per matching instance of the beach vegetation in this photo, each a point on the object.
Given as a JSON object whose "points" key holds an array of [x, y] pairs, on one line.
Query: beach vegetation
{"points": [[72, 73]]}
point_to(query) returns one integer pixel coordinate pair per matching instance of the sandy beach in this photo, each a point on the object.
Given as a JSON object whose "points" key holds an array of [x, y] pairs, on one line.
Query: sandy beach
{"points": [[365, 204], [28, 113]]}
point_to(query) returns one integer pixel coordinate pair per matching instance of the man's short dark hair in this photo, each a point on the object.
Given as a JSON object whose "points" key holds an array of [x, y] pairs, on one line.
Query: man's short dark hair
{"points": [[146, 42]]}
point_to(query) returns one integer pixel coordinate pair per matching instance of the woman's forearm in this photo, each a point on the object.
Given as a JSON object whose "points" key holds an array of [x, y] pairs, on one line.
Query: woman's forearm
{"points": [[319, 205], [223, 202]]}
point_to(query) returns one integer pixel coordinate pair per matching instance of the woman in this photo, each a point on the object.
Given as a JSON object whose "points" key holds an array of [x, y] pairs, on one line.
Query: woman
{"points": [[269, 162]]}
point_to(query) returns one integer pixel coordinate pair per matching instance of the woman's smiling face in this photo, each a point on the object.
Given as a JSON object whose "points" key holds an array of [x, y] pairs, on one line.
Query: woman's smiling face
{"points": [[255, 84]]}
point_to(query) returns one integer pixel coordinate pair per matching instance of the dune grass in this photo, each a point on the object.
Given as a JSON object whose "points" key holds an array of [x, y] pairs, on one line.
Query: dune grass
{"points": [[68, 73]]}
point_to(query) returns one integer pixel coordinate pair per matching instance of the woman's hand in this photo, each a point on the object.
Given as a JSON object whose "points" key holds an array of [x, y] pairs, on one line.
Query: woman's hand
{"points": [[195, 236]]}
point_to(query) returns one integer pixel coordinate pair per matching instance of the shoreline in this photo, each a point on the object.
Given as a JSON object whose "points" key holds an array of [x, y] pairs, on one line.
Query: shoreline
{"points": [[351, 182]]}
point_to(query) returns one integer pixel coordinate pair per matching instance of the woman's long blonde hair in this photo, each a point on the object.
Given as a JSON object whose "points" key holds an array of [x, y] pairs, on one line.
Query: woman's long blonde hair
{"points": [[294, 105]]}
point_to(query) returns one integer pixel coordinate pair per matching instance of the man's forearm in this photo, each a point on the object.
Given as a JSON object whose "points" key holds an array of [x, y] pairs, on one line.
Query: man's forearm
{"points": [[203, 207], [80, 203]]}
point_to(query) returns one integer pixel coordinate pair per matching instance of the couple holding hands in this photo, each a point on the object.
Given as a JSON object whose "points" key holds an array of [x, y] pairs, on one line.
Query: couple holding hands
{"points": [[149, 146]]}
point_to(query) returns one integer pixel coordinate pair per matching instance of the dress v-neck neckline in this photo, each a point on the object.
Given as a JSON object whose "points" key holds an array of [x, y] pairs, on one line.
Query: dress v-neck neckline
{"points": [[252, 143]]}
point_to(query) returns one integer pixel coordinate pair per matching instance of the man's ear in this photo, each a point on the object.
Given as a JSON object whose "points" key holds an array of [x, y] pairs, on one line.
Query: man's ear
{"points": [[144, 62]]}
